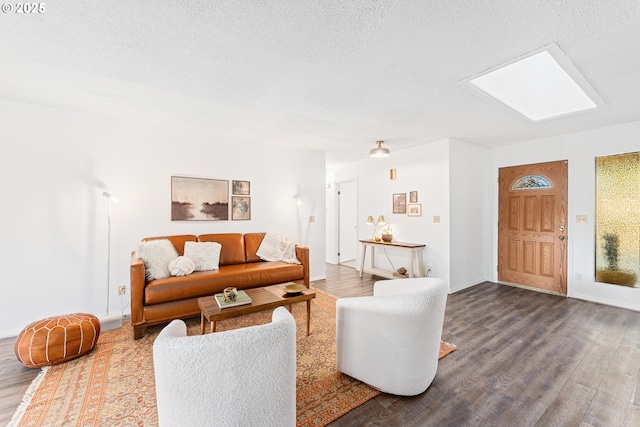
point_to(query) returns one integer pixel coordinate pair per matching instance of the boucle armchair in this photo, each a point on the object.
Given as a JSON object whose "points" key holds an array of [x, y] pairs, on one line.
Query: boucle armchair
{"points": [[240, 377], [391, 340]]}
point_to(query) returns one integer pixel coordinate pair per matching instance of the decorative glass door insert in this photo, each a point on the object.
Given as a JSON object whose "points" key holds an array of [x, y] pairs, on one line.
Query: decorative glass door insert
{"points": [[618, 219]]}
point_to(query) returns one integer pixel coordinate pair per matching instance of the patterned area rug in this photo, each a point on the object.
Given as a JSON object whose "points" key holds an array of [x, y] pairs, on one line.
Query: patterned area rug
{"points": [[114, 384]]}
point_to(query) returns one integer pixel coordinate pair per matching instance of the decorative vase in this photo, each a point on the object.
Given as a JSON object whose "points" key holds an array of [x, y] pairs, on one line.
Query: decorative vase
{"points": [[387, 237]]}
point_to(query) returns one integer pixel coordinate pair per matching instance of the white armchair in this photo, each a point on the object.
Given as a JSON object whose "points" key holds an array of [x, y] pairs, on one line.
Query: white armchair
{"points": [[391, 340], [242, 377]]}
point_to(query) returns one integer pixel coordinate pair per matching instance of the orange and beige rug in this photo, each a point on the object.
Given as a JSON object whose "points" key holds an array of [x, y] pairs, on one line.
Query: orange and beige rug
{"points": [[114, 384]]}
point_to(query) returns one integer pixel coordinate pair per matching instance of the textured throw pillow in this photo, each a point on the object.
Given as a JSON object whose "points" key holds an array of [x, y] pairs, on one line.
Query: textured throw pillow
{"points": [[181, 266], [156, 254], [205, 255]]}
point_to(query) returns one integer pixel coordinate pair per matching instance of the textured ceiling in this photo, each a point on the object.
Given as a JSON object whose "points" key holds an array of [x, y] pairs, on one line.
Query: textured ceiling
{"points": [[332, 76]]}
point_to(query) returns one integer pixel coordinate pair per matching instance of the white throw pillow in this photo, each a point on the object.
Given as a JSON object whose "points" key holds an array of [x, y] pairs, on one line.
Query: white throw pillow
{"points": [[205, 255], [181, 266], [157, 254]]}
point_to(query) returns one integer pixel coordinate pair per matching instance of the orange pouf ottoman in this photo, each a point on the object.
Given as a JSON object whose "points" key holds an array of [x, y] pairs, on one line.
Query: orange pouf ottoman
{"points": [[57, 339]]}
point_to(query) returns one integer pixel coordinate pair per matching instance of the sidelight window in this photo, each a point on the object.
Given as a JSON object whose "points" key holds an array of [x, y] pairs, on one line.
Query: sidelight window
{"points": [[618, 219]]}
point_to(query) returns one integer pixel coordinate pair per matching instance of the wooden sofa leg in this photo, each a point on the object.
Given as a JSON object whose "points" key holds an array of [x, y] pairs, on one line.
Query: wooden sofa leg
{"points": [[138, 332]]}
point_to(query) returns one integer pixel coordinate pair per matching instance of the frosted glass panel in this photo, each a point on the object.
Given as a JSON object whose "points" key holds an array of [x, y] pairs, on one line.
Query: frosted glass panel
{"points": [[618, 219]]}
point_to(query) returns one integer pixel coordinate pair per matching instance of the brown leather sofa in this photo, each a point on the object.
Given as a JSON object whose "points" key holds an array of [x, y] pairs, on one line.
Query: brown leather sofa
{"points": [[162, 300]]}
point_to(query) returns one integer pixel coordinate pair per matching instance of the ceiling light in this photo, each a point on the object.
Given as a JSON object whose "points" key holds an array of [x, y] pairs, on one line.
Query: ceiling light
{"points": [[379, 151], [539, 86]]}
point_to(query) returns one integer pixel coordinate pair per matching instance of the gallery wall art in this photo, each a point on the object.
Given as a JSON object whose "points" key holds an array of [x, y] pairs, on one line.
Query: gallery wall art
{"points": [[240, 188], [400, 203], [240, 208], [199, 199]]}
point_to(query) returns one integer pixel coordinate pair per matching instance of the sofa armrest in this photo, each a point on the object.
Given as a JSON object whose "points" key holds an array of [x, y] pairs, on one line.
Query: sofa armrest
{"points": [[137, 289], [302, 253]]}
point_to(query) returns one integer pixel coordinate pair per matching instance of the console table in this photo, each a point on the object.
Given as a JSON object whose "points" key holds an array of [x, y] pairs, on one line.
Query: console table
{"points": [[411, 248]]}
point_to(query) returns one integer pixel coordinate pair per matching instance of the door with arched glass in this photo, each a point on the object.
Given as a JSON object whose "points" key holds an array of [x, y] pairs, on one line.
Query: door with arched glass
{"points": [[532, 226]]}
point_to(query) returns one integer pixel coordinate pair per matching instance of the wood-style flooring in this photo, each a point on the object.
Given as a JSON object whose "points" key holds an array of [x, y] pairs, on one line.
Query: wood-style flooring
{"points": [[523, 359]]}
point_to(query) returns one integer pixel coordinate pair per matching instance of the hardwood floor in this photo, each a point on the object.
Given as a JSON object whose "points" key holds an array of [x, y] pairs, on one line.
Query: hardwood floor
{"points": [[523, 359], [14, 380]]}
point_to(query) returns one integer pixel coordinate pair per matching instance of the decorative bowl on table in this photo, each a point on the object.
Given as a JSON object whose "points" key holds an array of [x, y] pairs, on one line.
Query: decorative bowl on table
{"points": [[293, 288]]}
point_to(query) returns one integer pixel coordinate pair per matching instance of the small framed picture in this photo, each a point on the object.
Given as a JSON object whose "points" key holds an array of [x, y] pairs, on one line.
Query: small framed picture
{"points": [[400, 203], [413, 197], [240, 208], [240, 188], [414, 209]]}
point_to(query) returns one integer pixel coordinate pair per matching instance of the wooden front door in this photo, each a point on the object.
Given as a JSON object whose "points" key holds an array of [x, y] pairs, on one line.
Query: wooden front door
{"points": [[532, 226]]}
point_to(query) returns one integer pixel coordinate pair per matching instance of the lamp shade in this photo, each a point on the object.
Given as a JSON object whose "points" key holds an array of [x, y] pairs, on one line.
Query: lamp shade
{"points": [[379, 151], [381, 220], [370, 220]]}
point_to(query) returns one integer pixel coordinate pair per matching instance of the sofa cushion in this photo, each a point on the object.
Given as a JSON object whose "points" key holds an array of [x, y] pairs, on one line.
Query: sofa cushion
{"points": [[205, 255], [156, 254], [251, 244], [232, 251], [205, 283]]}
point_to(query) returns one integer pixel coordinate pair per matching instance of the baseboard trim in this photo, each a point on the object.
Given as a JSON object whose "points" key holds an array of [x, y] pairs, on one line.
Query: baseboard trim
{"points": [[111, 321], [466, 285], [590, 298]]}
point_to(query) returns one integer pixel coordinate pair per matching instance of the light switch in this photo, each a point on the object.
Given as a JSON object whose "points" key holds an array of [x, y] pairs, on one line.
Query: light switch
{"points": [[312, 218], [582, 219]]}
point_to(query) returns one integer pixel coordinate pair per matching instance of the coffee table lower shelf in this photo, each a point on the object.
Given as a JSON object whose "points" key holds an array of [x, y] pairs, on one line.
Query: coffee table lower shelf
{"points": [[264, 298]]}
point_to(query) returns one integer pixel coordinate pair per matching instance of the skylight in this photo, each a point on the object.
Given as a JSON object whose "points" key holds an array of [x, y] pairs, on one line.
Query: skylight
{"points": [[540, 86]]}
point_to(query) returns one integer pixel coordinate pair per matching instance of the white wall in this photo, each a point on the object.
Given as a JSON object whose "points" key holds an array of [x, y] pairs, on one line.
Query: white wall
{"points": [[469, 215], [424, 169], [54, 166], [580, 149]]}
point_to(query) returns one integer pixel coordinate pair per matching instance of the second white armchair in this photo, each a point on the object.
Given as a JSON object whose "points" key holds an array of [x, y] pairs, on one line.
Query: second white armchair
{"points": [[391, 340]]}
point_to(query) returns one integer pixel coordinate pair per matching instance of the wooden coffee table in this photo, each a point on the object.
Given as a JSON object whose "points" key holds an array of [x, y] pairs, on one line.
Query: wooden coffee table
{"points": [[264, 298]]}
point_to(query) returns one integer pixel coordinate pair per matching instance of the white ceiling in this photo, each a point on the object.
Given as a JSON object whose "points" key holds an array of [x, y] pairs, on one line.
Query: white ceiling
{"points": [[327, 75]]}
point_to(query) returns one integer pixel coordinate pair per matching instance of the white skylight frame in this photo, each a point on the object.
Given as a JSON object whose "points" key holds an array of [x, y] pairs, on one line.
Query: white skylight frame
{"points": [[518, 95]]}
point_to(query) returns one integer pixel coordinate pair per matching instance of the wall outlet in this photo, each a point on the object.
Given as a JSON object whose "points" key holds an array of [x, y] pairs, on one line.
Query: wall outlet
{"points": [[583, 219], [436, 219], [122, 290]]}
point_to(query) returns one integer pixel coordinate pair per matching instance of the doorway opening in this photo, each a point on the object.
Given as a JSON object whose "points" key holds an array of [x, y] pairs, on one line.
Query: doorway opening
{"points": [[347, 223]]}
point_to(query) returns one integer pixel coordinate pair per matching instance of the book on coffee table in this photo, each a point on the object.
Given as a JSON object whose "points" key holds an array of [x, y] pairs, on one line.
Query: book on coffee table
{"points": [[241, 299]]}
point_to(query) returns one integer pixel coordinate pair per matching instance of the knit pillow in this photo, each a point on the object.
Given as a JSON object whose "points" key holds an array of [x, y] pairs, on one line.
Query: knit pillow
{"points": [[157, 254], [205, 255], [181, 266]]}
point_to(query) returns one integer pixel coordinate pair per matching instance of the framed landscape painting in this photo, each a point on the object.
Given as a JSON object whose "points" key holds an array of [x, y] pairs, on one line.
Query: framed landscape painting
{"points": [[199, 199]]}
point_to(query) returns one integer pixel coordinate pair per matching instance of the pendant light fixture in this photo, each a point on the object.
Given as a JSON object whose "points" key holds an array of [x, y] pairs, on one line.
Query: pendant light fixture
{"points": [[379, 152]]}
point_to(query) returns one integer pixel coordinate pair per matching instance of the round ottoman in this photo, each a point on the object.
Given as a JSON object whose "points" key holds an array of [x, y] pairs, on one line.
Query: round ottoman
{"points": [[57, 339]]}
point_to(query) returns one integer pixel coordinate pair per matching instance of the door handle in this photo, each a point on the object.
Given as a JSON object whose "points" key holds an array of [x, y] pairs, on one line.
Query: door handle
{"points": [[561, 237]]}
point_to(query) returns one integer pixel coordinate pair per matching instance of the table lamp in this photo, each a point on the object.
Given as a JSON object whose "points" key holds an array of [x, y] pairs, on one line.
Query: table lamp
{"points": [[375, 224]]}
